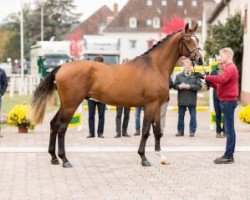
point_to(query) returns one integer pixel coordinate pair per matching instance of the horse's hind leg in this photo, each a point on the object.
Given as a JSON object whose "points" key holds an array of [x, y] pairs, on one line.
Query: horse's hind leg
{"points": [[54, 125], [64, 118]]}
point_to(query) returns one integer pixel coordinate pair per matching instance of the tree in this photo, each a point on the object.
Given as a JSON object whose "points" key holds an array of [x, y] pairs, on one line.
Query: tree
{"points": [[229, 34], [173, 25], [5, 37], [58, 20]]}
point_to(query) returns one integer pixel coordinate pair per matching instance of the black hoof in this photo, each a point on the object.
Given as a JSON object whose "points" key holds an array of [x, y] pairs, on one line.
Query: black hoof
{"points": [[145, 163], [67, 165], [54, 161]]}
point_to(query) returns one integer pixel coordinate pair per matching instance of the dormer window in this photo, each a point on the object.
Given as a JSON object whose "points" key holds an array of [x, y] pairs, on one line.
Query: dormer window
{"points": [[101, 28], [199, 22], [156, 22], [194, 3], [180, 3], [149, 22], [132, 22], [164, 2], [188, 21], [149, 2]]}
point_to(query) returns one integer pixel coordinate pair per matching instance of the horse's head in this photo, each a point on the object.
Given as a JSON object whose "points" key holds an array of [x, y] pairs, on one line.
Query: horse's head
{"points": [[189, 45]]}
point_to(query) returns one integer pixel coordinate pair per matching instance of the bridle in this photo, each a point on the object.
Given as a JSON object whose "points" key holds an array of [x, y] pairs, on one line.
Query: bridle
{"points": [[191, 52]]}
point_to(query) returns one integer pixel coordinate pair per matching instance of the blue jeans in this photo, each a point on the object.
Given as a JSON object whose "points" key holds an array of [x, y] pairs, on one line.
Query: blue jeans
{"points": [[101, 111], [228, 108], [138, 118], [181, 115]]}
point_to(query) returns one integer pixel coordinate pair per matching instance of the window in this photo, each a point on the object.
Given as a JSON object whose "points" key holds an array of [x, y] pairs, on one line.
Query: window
{"points": [[164, 2], [156, 22], [189, 21], [101, 27], [132, 22], [149, 22], [132, 44], [194, 3], [180, 2], [199, 22], [149, 2]]}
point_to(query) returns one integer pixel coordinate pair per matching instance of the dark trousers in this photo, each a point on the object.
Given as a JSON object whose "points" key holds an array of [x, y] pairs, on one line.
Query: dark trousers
{"points": [[218, 116], [101, 111], [228, 108], [124, 126], [181, 116]]}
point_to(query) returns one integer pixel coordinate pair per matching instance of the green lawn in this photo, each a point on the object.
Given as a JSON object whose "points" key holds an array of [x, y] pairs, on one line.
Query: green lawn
{"points": [[8, 103]]}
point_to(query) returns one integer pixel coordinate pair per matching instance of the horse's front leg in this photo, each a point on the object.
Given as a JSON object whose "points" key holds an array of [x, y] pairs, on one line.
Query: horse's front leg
{"points": [[147, 120], [158, 133]]}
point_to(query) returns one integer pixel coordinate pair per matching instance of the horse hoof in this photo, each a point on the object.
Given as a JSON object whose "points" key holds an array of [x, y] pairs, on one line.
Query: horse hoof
{"points": [[67, 165], [54, 162], [145, 163]]}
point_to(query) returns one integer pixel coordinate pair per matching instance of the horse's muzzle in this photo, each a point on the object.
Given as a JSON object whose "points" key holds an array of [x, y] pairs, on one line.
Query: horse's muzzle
{"points": [[200, 61]]}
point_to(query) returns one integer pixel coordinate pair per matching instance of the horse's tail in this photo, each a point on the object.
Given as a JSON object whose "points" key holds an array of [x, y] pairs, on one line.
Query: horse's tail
{"points": [[42, 94]]}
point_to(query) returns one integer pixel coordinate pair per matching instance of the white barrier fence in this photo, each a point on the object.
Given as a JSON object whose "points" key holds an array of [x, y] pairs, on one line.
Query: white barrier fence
{"points": [[22, 85]]}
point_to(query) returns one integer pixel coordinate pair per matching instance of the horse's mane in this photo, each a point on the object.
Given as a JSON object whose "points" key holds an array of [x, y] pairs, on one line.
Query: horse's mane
{"points": [[160, 42]]}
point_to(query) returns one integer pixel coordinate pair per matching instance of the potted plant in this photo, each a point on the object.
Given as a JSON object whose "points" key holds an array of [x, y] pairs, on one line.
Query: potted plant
{"points": [[244, 114], [18, 117]]}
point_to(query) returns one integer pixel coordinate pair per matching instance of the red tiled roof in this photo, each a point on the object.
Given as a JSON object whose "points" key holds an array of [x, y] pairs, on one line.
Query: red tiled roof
{"points": [[142, 12], [91, 25]]}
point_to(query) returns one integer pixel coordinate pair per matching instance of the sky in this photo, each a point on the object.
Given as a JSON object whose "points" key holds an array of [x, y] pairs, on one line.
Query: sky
{"points": [[85, 7]]}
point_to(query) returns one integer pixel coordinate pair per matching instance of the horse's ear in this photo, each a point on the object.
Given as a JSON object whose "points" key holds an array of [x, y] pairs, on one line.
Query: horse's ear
{"points": [[187, 28], [195, 27]]}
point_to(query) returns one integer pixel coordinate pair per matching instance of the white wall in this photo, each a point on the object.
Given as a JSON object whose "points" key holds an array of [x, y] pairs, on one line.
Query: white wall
{"points": [[141, 43], [234, 6], [246, 57]]}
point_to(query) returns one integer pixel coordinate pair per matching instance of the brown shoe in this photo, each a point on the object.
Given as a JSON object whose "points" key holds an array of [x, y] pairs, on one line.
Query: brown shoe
{"points": [[223, 135], [1, 136], [137, 133], [218, 135]]}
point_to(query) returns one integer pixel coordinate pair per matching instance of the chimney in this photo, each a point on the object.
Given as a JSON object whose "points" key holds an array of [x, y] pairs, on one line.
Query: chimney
{"points": [[115, 8]]}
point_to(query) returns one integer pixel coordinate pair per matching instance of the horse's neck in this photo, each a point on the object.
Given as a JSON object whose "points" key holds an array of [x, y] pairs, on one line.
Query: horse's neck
{"points": [[166, 55]]}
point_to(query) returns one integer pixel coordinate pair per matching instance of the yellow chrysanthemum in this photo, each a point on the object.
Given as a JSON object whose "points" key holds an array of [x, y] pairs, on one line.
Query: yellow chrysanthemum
{"points": [[244, 114], [18, 116]]}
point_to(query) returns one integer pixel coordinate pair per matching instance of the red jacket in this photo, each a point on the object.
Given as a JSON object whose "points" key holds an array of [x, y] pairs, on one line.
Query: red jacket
{"points": [[226, 84]]}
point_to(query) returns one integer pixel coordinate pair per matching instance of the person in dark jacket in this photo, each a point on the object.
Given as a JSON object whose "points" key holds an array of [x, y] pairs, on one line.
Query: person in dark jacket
{"points": [[121, 127], [92, 104], [187, 85], [226, 86], [220, 132], [3, 87]]}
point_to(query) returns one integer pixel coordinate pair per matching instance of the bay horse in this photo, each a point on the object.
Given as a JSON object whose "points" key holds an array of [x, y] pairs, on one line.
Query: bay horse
{"points": [[141, 82]]}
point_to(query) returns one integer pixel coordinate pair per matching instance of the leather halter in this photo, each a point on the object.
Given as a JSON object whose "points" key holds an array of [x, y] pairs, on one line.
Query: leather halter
{"points": [[191, 52]]}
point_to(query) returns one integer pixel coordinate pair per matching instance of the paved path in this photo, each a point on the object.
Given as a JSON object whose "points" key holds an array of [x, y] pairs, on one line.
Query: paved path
{"points": [[110, 168]]}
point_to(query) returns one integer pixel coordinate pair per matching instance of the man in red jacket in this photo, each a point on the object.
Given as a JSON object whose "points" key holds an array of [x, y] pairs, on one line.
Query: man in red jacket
{"points": [[226, 86]]}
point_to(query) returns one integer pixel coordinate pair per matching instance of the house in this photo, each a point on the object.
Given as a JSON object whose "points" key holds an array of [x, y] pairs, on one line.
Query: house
{"points": [[140, 22], [225, 9]]}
